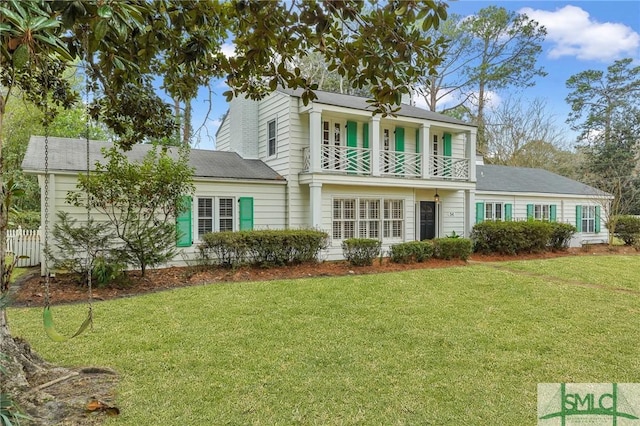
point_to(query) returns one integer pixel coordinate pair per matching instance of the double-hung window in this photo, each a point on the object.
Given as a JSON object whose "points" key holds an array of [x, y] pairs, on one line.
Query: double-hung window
{"points": [[215, 214], [541, 212], [588, 219], [369, 219], [493, 211], [344, 219], [393, 218], [271, 138]]}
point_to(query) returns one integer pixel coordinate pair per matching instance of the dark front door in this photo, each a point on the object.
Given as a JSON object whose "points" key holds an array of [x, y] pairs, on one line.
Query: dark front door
{"points": [[427, 220]]}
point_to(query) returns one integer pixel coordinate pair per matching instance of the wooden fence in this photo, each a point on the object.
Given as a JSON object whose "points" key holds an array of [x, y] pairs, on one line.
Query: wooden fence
{"points": [[24, 242]]}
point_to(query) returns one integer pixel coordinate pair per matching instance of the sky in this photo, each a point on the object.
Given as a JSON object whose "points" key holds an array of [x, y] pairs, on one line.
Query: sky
{"points": [[581, 35]]}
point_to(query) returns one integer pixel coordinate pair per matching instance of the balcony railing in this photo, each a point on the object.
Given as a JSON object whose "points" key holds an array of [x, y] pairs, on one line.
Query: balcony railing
{"points": [[350, 160]]}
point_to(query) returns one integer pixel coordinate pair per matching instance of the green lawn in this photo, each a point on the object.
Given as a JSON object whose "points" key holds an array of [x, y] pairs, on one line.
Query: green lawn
{"points": [[465, 345]]}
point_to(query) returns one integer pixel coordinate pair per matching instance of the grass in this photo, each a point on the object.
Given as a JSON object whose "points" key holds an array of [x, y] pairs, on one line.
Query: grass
{"points": [[464, 345]]}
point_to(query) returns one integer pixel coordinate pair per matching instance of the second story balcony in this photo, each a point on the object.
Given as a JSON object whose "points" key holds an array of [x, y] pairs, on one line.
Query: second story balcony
{"points": [[360, 161]]}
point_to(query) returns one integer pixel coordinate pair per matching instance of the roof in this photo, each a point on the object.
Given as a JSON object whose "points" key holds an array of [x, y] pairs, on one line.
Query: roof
{"points": [[357, 102], [522, 179], [67, 154]]}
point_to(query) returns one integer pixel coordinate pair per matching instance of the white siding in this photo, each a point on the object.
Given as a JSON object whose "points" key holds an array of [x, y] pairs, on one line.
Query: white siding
{"points": [[223, 137]]}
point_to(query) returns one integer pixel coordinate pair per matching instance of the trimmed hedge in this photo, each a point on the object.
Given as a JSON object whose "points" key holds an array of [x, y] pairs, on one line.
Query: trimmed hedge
{"points": [[262, 248], [627, 228], [412, 251], [561, 234], [361, 251], [452, 248], [511, 237]]}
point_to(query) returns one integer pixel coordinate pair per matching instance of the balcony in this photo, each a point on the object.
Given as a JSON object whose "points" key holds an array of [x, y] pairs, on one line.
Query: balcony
{"points": [[357, 161]]}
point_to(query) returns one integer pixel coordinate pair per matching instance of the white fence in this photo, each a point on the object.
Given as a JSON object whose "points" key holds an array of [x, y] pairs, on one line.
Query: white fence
{"points": [[24, 242]]}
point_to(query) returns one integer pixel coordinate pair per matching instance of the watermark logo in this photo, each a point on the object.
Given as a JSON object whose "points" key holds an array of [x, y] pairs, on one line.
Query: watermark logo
{"points": [[616, 404]]}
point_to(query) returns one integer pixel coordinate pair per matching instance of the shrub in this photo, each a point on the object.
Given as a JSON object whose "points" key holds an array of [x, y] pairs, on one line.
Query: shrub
{"points": [[511, 237], [452, 248], [412, 251], [361, 251], [262, 247], [627, 228], [106, 270], [561, 234]]}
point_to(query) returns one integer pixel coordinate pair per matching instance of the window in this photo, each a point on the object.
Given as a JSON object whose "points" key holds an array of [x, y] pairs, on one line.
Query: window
{"points": [[541, 212], [588, 219], [271, 138], [225, 215], [493, 211], [393, 218], [344, 219], [386, 146], [369, 219], [331, 144]]}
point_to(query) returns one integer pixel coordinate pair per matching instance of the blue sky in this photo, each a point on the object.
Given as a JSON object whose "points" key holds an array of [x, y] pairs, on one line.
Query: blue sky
{"points": [[581, 35]]}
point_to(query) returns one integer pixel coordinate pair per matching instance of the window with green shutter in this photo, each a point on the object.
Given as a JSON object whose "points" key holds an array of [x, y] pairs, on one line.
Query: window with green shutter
{"points": [[246, 213], [183, 224], [399, 149], [352, 142], [447, 151]]}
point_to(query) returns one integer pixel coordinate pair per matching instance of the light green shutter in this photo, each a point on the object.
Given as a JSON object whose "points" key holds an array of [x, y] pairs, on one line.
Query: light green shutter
{"points": [[479, 212], [530, 211], [399, 148], [246, 213], [447, 151], [183, 224], [508, 212], [579, 218], [418, 171], [365, 145], [597, 224], [552, 213], [352, 142]]}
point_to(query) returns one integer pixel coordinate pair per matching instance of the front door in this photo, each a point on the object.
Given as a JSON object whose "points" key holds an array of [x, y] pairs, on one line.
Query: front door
{"points": [[427, 220]]}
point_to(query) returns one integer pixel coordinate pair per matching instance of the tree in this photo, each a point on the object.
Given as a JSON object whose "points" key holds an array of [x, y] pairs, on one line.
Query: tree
{"points": [[605, 109], [126, 45], [504, 50], [141, 201]]}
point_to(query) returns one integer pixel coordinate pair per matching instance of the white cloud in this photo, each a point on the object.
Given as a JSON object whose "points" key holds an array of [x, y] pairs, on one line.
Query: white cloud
{"points": [[228, 49], [574, 32]]}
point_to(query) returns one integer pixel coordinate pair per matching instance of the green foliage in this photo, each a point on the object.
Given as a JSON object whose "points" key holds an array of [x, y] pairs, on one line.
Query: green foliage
{"points": [[28, 219], [412, 251], [452, 248], [141, 201], [361, 251], [561, 234], [511, 237], [78, 247], [262, 247], [627, 228], [107, 269]]}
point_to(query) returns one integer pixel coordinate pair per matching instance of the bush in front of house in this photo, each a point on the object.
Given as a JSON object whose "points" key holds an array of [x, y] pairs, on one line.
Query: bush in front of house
{"points": [[561, 234], [412, 251], [627, 228], [262, 247], [452, 248], [511, 237], [361, 251]]}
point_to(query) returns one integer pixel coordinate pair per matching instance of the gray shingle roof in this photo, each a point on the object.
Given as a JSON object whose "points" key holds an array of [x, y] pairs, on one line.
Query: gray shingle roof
{"points": [[70, 155], [521, 179], [356, 102]]}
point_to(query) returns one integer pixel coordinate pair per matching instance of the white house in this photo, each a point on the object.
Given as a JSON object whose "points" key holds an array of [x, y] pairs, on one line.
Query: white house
{"points": [[331, 165]]}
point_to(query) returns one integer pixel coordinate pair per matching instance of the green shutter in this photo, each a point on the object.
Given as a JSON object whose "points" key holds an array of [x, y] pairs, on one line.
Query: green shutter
{"points": [[246, 213], [447, 151], [399, 148], [479, 212], [530, 211], [597, 226], [417, 141], [365, 145], [183, 224], [579, 218], [352, 141], [508, 212], [552, 213]]}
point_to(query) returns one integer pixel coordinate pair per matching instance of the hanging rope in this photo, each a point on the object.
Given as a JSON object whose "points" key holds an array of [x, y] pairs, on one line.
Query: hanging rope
{"points": [[47, 316]]}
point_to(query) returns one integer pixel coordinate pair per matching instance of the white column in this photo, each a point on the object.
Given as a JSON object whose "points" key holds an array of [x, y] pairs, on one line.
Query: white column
{"points": [[424, 149], [315, 140], [469, 211], [471, 153], [315, 196], [374, 138]]}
